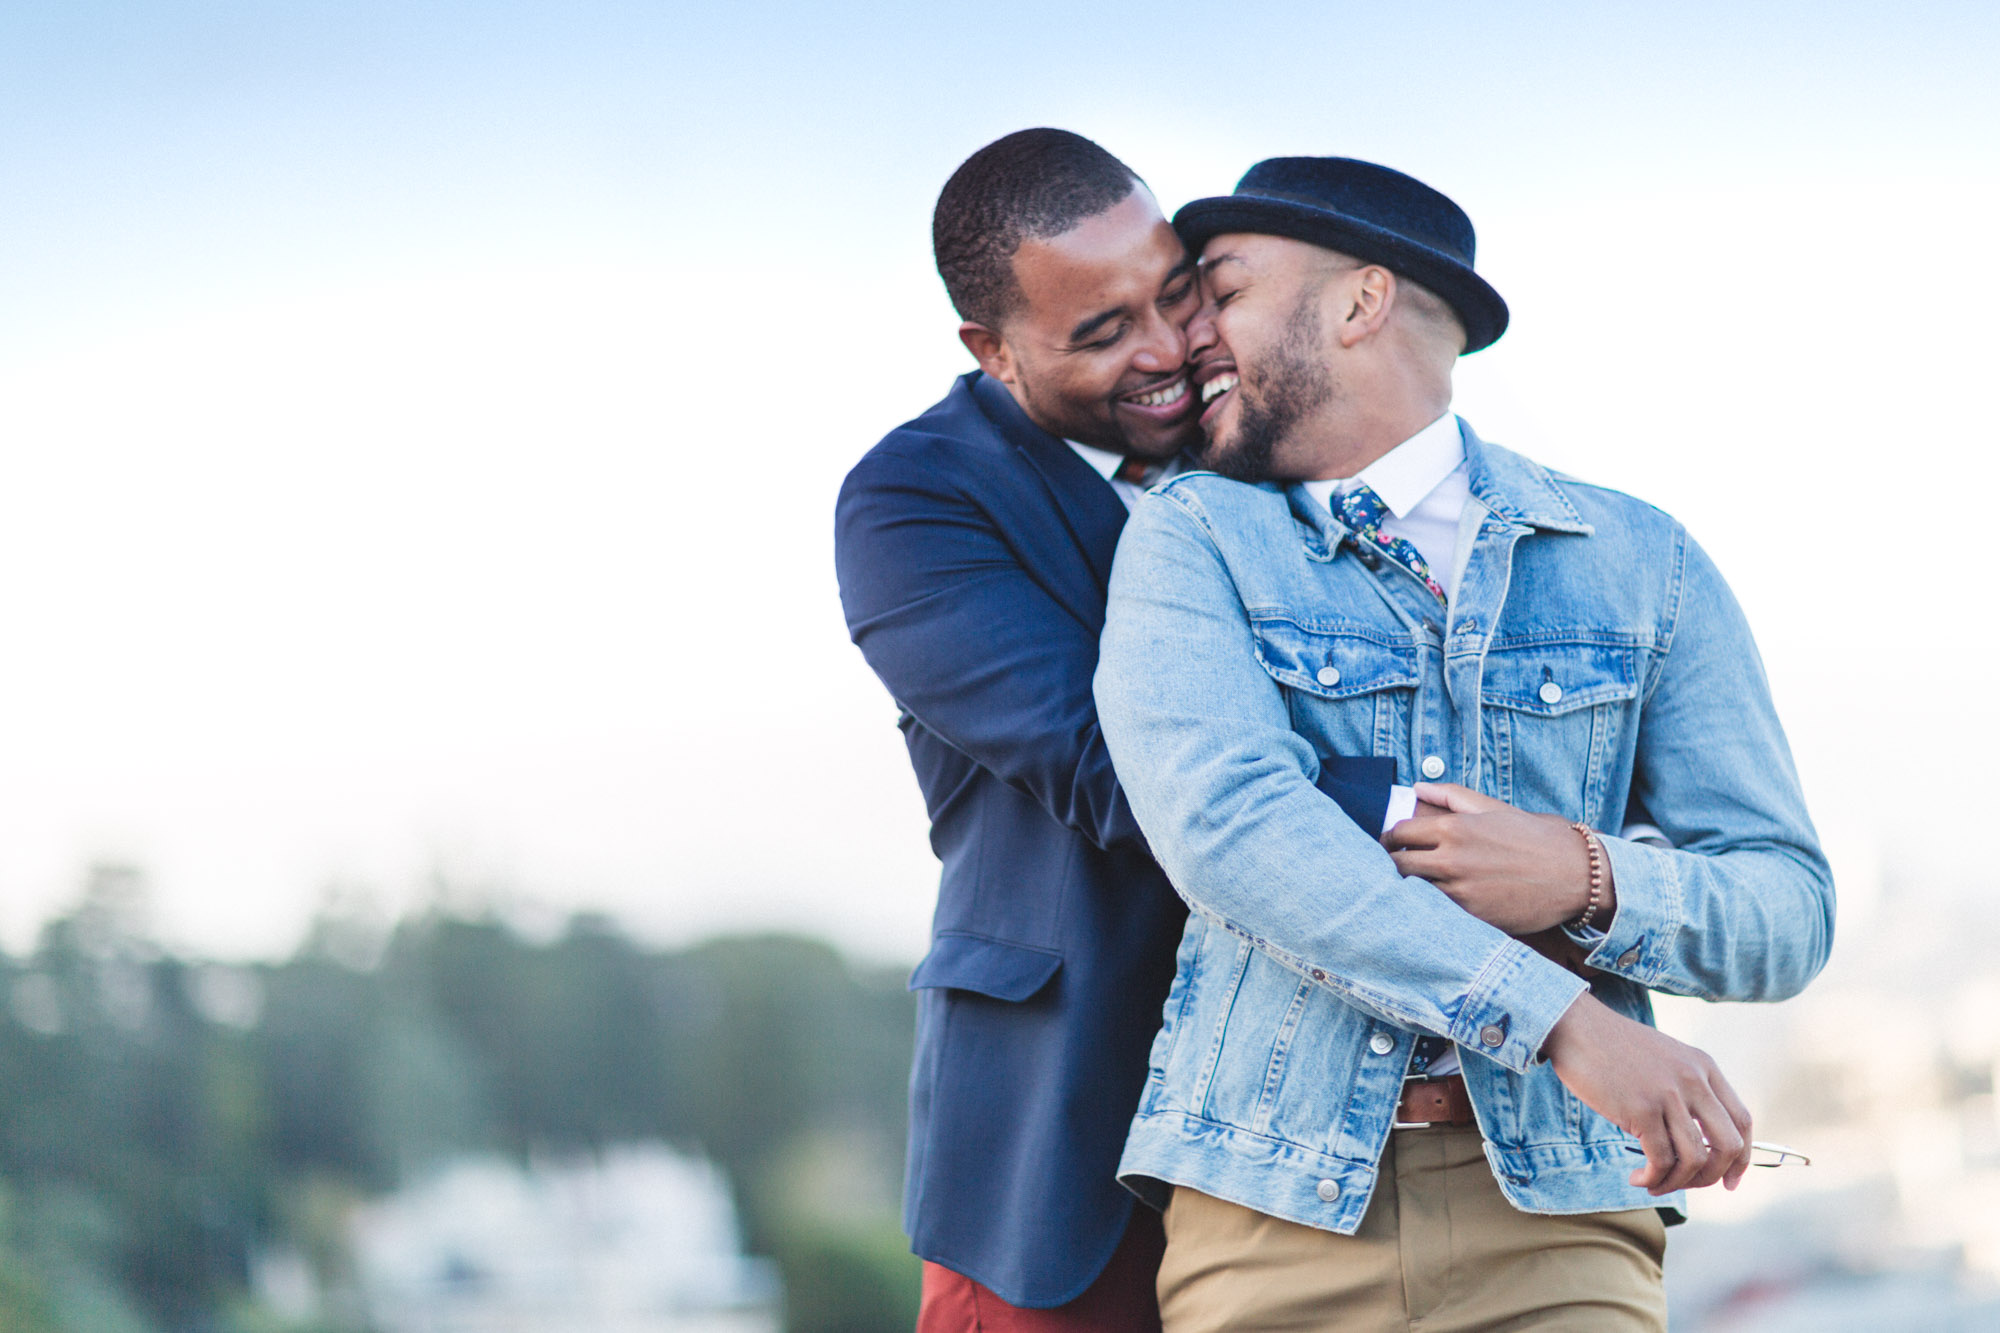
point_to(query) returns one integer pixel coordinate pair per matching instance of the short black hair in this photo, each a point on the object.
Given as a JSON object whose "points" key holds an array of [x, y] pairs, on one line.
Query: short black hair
{"points": [[1030, 185]]}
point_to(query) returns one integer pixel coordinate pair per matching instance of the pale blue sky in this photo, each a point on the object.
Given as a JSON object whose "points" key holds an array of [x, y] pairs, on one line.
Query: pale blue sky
{"points": [[422, 420]]}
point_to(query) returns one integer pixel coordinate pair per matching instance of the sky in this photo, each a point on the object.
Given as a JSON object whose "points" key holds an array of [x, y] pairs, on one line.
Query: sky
{"points": [[420, 423]]}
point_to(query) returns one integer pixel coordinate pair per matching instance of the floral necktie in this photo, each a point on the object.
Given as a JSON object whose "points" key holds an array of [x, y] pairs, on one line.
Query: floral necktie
{"points": [[1363, 511]]}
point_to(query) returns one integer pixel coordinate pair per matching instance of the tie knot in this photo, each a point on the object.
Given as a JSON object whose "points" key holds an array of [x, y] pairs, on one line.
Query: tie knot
{"points": [[1363, 512], [1137, 471], [1361, 509]]}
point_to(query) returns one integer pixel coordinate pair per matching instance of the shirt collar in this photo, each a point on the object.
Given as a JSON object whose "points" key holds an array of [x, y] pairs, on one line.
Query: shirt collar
{"points": [[1408, 472], [1106, 462]]}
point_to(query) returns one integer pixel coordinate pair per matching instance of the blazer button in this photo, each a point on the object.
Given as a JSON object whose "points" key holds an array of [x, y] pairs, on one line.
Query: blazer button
{"points": [[1492, 1035], [1328, 676], [1328, 1191], [1433, 767], [1381, 1043]]}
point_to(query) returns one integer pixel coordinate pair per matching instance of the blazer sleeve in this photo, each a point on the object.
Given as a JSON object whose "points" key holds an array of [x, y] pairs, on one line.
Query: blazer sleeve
{"points": [[972, 644]]}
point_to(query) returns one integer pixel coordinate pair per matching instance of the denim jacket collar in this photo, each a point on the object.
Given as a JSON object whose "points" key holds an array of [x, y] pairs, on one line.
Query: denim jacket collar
{"points": [[1514, 488]]}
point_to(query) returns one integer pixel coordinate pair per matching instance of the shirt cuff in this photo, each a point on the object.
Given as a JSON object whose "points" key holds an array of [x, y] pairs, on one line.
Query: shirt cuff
{"points": [[1402, 804]]}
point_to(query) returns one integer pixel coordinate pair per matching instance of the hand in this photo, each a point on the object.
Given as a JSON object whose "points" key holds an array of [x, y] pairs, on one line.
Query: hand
{"points": [[1520, 872], [1665, 1093], [1560, 949]]}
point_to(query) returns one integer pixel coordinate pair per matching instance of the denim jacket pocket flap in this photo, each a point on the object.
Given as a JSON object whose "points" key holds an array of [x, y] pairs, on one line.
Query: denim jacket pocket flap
{"points": [[1334, 663], [1550, 679], [996, 968]]}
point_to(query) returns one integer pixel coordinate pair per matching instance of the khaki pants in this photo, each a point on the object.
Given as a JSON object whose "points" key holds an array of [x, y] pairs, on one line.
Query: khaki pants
{"points": [[1440, 1250]]}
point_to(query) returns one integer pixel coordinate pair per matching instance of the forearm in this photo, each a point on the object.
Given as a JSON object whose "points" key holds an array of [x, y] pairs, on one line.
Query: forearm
{"points": [[1754, 923], [1224, 790]]}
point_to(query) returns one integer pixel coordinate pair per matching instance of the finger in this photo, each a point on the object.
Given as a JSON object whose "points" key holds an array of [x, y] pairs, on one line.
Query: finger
{"points": [[1739, 1116], [1726, 1146], [1414, 833], [1423, 863], [1462, 800], [1689, 1148], [1659, 1150]]}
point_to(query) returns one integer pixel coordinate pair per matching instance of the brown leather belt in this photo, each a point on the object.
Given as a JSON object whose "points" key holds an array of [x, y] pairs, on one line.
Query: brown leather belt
{"points": [[1434, 1101]]}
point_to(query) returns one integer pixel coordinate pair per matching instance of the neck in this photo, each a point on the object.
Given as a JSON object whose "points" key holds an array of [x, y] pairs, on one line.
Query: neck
{"points": [[1372, 420]]}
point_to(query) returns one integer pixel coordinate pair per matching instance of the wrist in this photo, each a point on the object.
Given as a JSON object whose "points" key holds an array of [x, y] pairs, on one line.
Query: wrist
{"points": [[1596, 883], [1573, 1027]]}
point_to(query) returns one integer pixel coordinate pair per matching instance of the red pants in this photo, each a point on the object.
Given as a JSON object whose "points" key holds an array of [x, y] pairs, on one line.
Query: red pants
{"points": [[1122, 1300]]}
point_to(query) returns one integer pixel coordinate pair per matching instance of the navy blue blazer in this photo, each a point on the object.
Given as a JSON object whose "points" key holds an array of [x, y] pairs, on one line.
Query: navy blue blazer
{"points": [[973, 550]]}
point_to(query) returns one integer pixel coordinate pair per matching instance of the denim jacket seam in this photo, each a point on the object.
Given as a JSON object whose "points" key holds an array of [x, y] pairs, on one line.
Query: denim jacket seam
{"points": [[1676, 591], [1344, 989]]}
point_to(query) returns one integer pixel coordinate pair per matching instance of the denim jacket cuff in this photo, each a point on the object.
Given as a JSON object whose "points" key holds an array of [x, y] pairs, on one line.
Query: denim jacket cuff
{"points": [[1635, 943], [1513, 1005]]}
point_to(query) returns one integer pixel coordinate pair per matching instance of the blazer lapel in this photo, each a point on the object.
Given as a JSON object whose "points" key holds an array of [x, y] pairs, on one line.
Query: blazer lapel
{"points": [[1089, 507]]}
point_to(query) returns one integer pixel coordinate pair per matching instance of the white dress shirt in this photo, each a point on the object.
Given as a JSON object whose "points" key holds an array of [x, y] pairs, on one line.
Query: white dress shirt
{"points": [[1424, 485], [1107, 464]]}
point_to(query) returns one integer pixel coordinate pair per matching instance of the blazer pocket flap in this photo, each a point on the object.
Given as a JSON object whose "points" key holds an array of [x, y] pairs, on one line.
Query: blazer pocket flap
{"points": [[995, 968]]}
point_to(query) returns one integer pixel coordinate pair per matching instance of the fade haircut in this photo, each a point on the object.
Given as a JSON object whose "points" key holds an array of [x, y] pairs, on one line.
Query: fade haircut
{"points": [[1031, 185]]}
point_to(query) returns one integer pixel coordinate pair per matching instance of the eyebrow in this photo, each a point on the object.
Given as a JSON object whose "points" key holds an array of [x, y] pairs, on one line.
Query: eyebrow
{"points": [[1224, 258], [1178, 271]]}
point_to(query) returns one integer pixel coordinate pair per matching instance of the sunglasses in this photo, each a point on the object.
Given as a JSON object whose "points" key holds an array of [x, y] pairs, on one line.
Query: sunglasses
{"points": [[1761, 1154]]}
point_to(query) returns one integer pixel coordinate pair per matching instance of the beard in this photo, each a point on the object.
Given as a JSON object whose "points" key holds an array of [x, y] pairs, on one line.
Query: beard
{"points": [[1292, 383]]}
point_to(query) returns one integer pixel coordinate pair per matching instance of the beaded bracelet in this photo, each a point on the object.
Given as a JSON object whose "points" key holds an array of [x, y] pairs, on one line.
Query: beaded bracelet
{"points": [[1596, 851]]}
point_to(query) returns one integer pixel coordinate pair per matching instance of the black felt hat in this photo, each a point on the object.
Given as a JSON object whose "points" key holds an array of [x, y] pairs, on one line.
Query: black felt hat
{"points": [[1364, 210]]}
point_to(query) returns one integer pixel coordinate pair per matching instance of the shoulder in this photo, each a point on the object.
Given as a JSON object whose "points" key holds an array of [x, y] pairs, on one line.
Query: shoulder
{"points": [[951, 446], [1215, 501], [1609, 512]]}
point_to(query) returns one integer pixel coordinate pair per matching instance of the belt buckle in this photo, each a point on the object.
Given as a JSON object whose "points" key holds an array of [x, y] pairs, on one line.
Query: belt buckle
{"points": [[1414, 1124]]}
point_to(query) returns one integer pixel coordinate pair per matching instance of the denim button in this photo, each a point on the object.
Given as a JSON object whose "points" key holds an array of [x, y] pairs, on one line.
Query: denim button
{"points": [[1629, 957], [1433, 767], [1492, 1035], [1329, 1190], [1381, 1043], [1328, 676], [1551, 692]]}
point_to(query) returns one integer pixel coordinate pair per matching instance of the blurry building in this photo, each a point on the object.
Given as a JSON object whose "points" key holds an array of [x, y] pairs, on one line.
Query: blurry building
{"points": [[639, 1240]]}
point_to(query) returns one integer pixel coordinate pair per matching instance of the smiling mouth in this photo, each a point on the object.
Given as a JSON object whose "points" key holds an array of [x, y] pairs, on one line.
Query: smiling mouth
{"points": [[1167, 395], [1216, 387]]}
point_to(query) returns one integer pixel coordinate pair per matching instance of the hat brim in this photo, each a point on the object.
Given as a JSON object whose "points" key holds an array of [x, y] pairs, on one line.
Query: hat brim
{"points": [[1478, 306]]}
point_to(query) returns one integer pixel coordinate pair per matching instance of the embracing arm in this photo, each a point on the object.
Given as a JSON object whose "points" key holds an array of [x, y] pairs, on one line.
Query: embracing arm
{"points": [[1224, 788]]}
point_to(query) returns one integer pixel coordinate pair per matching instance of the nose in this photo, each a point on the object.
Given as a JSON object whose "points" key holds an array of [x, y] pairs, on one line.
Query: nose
{"points": [[1201, 335], [1163, 347]]}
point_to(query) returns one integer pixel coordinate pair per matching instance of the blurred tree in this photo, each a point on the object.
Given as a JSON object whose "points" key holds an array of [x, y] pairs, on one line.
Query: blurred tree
{"points": [[159, 1121]]}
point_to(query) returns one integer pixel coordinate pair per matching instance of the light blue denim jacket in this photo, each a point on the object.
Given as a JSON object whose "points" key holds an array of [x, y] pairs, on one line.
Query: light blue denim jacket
{"points": [[1592, 656]]}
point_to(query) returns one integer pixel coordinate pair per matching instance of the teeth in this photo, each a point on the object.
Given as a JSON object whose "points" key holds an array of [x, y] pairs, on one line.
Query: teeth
{"points": [[1173, 393], [1216, 387]]}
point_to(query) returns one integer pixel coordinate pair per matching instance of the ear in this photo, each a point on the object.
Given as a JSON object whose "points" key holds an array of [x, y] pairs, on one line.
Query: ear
{"points": [[1366, 296], [989, 349]]}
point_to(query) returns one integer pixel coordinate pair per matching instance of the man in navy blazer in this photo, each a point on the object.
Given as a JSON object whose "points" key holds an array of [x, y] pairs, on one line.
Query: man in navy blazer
{"points": [[973, 546]]}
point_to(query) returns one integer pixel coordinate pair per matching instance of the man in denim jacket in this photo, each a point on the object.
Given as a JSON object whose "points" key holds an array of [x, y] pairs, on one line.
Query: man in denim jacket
{"points": [[1390, 584]]}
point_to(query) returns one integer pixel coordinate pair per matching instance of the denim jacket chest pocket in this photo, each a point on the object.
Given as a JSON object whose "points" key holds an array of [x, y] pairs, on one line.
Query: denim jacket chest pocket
{"points": [[1349, 687], [1559, 720]]}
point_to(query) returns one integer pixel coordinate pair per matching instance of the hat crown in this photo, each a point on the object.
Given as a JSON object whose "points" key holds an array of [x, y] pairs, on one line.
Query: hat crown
{"points": [[1369, 193]]}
